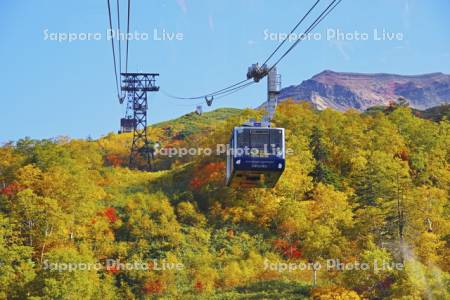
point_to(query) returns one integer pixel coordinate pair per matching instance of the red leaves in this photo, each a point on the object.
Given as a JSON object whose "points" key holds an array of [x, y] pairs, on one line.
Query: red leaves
{"points": [[198, 285], [210, 173], [153, 287], [111, 214], [196, 183], [112, 269], [292, 252], [11, 189], [289, 250]]}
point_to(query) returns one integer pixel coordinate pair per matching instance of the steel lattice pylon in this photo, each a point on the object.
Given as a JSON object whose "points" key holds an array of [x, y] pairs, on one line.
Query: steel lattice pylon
{"points": [[135, 86]]}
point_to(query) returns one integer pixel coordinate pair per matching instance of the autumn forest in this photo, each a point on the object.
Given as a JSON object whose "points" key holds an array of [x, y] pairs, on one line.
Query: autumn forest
{"points": [[361, 211]]}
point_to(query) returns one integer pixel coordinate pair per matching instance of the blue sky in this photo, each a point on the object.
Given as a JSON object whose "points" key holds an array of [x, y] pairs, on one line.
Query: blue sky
{"points": [[52, 88]]}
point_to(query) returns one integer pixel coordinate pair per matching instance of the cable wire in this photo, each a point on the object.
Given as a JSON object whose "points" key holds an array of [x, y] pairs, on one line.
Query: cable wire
{"points": [[234, 90], [292, 31], [316, 22], [113, 49], [119, 37], [240, 85], [206, 95], [128, 33], [126, 51], [243, 81]]}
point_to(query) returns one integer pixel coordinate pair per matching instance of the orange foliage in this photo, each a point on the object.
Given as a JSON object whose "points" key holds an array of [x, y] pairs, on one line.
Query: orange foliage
{"points": [[153, 287], [287, 228], [210, 173], [289, 250], [114, 160], [172, 144], [403, 155], [150, 265], [280, 244]]}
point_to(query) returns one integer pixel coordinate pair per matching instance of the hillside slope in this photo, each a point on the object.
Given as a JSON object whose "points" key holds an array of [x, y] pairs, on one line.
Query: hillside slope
{"points": [[193, 123], [75, 204]]}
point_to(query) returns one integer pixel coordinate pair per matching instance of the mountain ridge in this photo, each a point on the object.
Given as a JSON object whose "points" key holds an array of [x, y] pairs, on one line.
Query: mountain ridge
{"points": [[350, 90]]}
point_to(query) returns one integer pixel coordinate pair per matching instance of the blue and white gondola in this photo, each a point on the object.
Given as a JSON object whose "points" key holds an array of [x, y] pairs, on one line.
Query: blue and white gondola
{"points": [[256, 156]]}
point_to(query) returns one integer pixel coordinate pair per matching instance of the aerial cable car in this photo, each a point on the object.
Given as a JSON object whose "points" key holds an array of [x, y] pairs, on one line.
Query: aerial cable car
{"points": [[209, 100], [256, 151], [127, 124], [199, 110], [256, 156]]}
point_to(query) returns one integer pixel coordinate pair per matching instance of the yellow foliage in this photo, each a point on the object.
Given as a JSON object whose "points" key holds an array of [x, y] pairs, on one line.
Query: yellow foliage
{"points": [[334, 293]]}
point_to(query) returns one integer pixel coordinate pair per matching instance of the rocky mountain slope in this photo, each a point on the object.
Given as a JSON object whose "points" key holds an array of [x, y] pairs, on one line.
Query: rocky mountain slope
{"points": [[343, 91]]}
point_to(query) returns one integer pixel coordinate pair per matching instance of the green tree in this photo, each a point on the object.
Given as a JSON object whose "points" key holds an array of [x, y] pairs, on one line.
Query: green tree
{"points": [[16, 265]]}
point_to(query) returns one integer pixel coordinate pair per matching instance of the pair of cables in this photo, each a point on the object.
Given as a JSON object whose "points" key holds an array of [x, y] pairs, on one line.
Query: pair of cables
{"points": [[235, 87], [119, 48]]}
